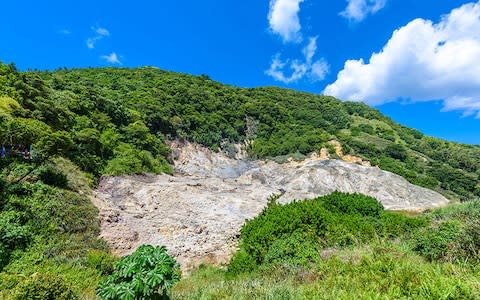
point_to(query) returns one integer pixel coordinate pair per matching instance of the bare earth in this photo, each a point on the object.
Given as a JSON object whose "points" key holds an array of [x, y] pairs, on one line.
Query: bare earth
{"points": [[197, 213]]}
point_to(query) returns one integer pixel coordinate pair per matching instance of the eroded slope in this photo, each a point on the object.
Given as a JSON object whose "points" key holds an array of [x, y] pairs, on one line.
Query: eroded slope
{"points": [[198, 212]]}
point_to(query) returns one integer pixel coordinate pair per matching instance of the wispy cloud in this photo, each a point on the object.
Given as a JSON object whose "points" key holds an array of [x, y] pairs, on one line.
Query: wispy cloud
{"points": [[64, 32], [315, 70], [91, 43], [310, 50], [358, 10], [100, 33], [319, 70], [284, 21], [112, 58]]}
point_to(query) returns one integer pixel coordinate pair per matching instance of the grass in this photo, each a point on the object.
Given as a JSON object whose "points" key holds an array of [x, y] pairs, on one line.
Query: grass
{"points": [[375, 271], [388, 267], [82, 280]]}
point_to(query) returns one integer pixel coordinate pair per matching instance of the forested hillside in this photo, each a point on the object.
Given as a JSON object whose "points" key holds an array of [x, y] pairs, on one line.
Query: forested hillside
{"points": [[115, 121], [61, 130]]}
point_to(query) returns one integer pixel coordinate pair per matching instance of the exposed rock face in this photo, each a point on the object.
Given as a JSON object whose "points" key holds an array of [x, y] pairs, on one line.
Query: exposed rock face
{"points": [[198, 212]]}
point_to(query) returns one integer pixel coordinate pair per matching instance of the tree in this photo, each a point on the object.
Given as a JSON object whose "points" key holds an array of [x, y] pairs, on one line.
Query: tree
{"points": [[148, 273], [56, 143], [396, 151]]}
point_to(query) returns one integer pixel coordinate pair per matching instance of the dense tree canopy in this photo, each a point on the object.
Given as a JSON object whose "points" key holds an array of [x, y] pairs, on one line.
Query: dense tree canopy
{"points": [[116, 121]]}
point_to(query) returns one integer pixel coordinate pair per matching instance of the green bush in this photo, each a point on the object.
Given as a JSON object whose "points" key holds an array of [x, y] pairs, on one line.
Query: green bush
{"points": [[470, 241], [101, 261], [349, 229], [128, 160], [454, 236], [13, 235], [352, 204], [293, 233], [396, 151], [296, 249], [439, 243], [376, 271], [366, 128], [44, 286], [241, 262], [396, 224], [49, 175], [3, 187], [148, 273], [259, 234]]}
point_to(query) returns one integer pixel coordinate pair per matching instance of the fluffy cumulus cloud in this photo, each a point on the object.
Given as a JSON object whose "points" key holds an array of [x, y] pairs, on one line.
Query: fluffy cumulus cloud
{"points": [[357, 10], [283, 19], [112, 58], [100, 33], [298, 69], [422, 61]]}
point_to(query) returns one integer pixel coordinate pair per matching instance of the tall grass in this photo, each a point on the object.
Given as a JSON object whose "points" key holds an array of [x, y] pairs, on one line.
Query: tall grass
{"points": [[432, 256], [377, 271]]}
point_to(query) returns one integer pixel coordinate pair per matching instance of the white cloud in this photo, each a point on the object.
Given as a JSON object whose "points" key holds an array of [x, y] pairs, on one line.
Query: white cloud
{"points": [[319, 70], [64, 32], [284, 21], [422, 61], [316, 71], [277, 70], [310, 49], [112, 58], [91, 43], [100, 32], [357, 10]]}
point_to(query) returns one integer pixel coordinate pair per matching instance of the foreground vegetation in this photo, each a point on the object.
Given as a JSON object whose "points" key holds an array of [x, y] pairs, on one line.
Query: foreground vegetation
{"points": [[384, 271], [49, 243], [352, 251], [85, 123]]}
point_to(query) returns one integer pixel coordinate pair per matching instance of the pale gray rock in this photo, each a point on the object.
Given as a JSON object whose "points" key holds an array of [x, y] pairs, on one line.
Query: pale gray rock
{"points": [[197, 213]]}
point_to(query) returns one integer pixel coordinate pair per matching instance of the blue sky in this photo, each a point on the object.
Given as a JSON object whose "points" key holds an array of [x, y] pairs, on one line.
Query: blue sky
{"points": [[416, 61]]}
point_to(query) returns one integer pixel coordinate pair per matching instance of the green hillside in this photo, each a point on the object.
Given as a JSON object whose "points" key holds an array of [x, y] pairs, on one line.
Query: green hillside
{"points": [[84, 123], [115, 121]]}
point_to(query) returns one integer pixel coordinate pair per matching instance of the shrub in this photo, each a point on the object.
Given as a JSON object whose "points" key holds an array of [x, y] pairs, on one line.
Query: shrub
{"points": [[349, 229], [293, 233], [395, 224], [241, 262], [456, 236], [8, 105], [129, 160], [44, 286], [56, 143], [396, 151], [148, 273], [3, 187], [278, 220], [470, 240], [296, 249], [352, 204], [366, 128], [13, 236], [49, 175], [101, 261], [439, 243]]}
